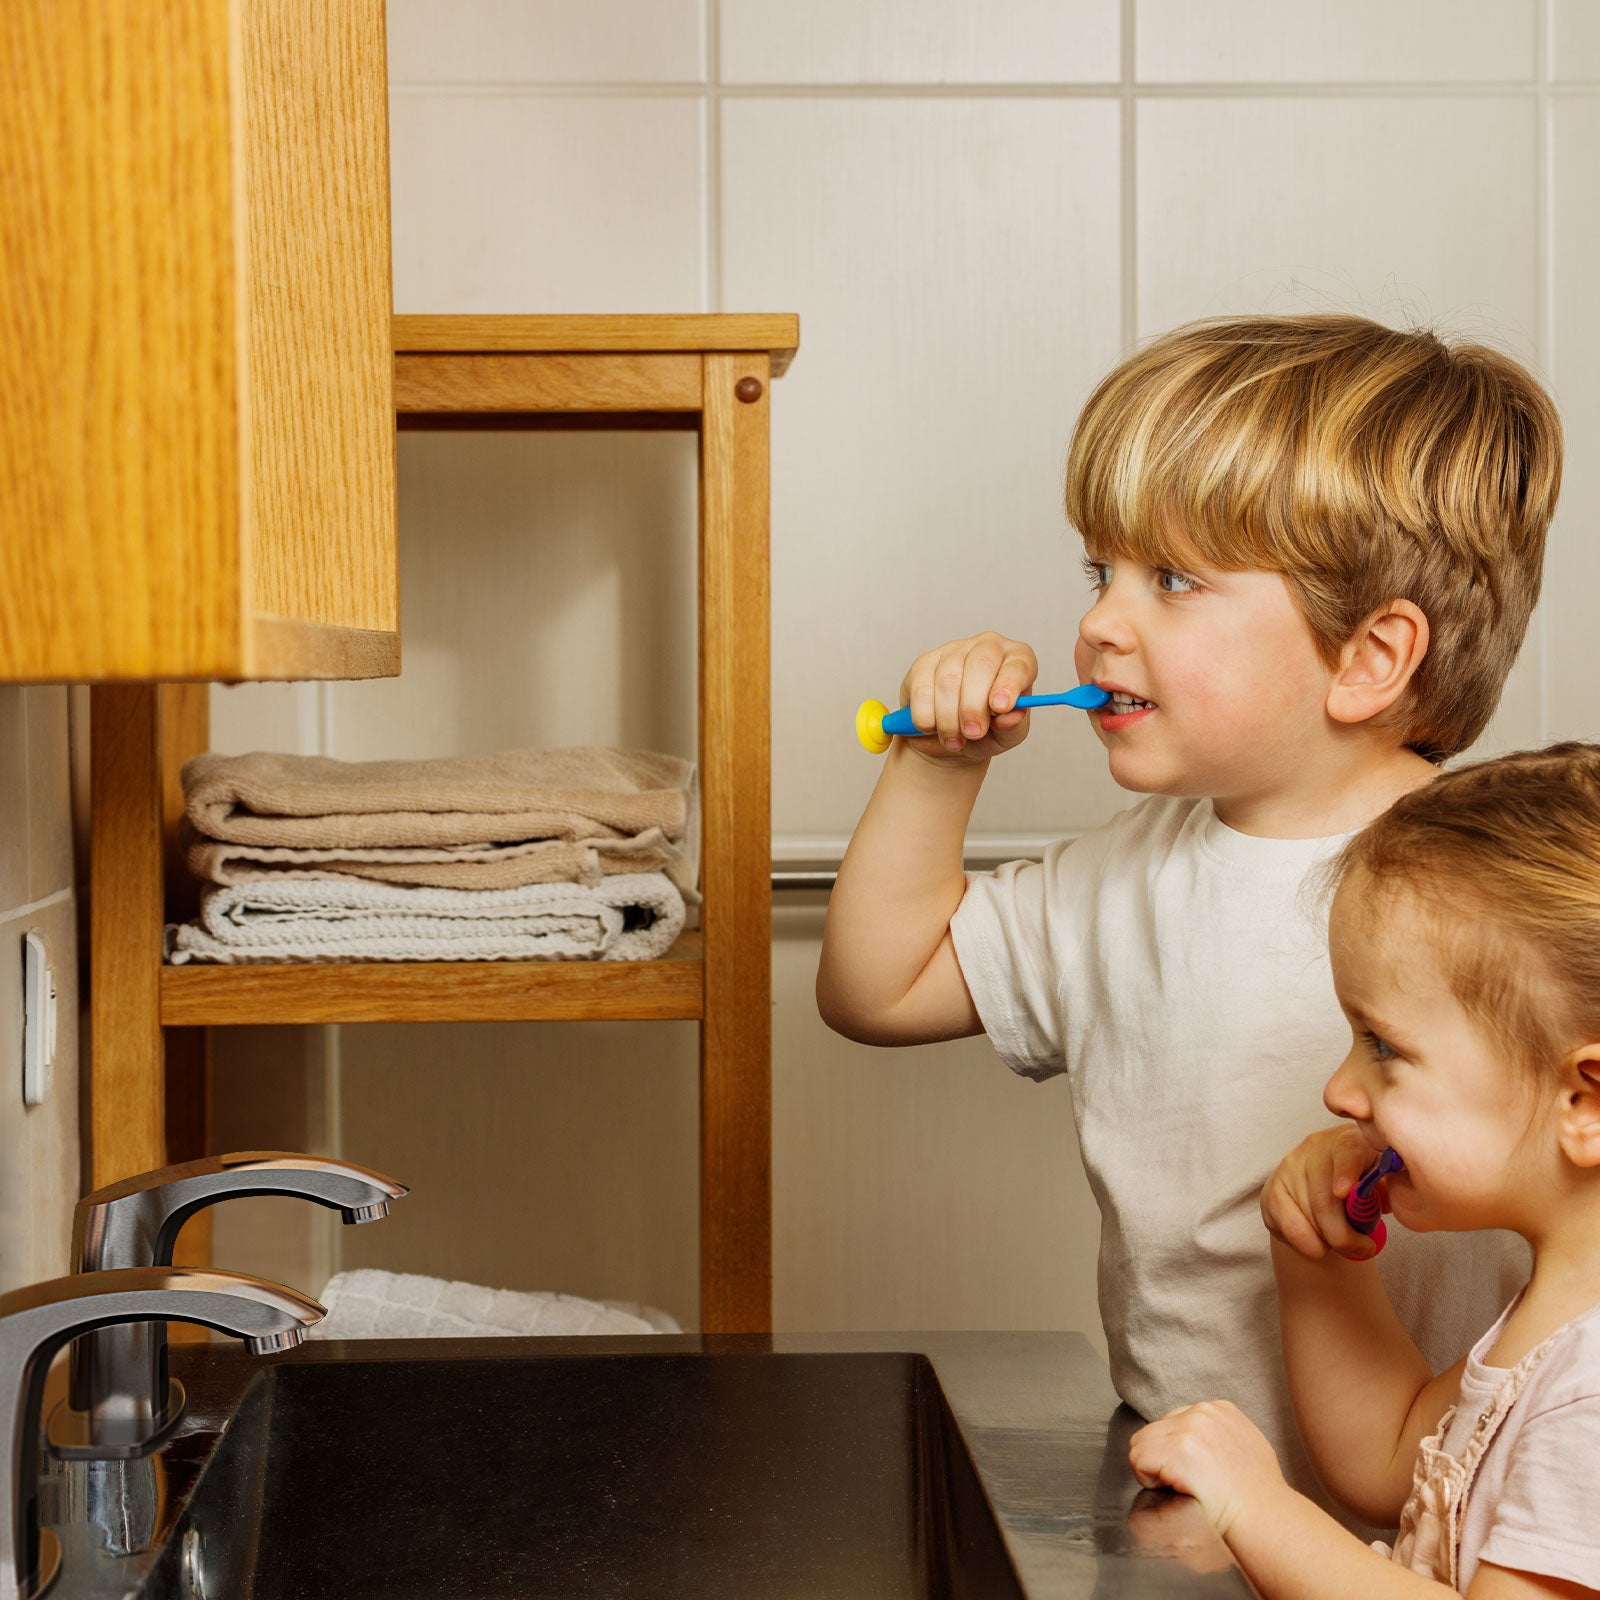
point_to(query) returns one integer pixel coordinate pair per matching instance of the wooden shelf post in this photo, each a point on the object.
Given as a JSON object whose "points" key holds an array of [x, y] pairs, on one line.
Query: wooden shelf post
{"points": [[736, 812], [127, 1102]]}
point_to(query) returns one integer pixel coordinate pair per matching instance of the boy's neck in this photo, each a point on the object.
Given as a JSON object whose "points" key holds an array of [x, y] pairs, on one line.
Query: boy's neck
{"points": [[1331, 792]]}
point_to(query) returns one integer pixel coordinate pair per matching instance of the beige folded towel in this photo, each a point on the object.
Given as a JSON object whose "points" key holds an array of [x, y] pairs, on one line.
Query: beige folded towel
{"points": [[371, 1304], [461, 822], [627, 917], [467, 866]]}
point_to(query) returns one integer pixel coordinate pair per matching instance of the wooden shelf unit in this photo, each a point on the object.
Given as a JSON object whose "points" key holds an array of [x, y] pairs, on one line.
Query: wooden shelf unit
{"points": [[711, 374], [669, 989]]}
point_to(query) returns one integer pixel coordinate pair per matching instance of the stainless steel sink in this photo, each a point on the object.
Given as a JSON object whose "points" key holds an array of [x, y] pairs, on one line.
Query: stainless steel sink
{"points": [[936, 1467], [677, 1476]]}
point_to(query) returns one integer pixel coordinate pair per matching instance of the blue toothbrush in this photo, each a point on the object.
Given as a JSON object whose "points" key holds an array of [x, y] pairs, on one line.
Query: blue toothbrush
{"points": [[876, 724]]}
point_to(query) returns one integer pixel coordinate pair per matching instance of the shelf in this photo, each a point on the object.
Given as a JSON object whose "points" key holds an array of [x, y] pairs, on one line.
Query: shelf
{"points": [[672, 988], [777, 335]]}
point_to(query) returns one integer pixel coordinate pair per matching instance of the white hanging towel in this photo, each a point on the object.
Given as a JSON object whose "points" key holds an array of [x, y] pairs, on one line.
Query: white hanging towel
{"points": [[369, 1304]]}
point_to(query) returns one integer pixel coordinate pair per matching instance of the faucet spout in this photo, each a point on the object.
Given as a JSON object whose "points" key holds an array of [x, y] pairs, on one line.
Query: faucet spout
{"points": [[37, 1321], [120, 1400]]}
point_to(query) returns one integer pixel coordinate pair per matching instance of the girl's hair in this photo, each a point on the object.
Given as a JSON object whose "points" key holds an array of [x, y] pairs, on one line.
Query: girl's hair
{"points": [[1363, 463], [1504, 857]]}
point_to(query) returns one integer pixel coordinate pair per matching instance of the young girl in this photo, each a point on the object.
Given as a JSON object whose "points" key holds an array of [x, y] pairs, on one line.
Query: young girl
{"points": [[1465, 942]]}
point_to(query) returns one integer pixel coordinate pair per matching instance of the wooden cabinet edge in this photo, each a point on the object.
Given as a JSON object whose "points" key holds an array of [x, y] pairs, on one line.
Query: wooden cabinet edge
{"points": [[287, 648]]}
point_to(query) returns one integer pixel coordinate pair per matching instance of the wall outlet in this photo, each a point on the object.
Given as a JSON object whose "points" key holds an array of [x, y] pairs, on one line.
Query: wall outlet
{"points": [[38, 1019]]}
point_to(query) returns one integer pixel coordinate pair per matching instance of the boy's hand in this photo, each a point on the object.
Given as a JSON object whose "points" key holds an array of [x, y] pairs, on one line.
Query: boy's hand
{"points": [[1303, 1202], [966, 692], [1212, 1451]]}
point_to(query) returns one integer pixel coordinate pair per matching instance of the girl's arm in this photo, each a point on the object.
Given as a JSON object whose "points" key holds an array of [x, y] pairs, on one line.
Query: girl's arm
{"points": [[1288, 1548], [1364, 1398], [1363, 1395]]}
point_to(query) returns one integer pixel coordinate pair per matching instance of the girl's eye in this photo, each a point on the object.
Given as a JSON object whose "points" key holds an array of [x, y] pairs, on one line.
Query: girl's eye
{"points": [[1378, 1049], [1177, 582], [1098, 573]]}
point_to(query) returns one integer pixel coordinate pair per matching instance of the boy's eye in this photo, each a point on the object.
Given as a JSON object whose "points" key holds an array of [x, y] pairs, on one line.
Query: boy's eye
{"points": [[1378, 1049], [1176, 582], [1098, 572]]}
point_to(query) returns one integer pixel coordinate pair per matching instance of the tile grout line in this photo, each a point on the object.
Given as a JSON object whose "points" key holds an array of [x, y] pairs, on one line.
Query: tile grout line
{"points": [[711, 145], [1544, 287], [1129, 180], [1286, 89], [34, 907]]}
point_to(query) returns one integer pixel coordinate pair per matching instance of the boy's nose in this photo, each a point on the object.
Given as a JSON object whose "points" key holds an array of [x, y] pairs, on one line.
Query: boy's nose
{"points": [[1105, 626]]}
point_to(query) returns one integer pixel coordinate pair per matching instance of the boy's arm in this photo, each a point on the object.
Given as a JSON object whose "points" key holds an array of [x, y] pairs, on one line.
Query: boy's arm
{"points": [[1363, 1395], [889, 973]]}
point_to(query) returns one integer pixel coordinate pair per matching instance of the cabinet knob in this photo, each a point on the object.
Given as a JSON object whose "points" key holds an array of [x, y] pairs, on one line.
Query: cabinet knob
{"points": [[748, 390]]}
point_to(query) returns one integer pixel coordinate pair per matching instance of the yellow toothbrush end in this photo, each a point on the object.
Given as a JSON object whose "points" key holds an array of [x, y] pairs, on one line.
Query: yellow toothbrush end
{"points": [[869, 726]]}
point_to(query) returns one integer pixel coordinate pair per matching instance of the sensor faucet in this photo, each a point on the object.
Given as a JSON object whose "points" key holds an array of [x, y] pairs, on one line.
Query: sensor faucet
{"points": [[121, 1403], [37, 1321]]}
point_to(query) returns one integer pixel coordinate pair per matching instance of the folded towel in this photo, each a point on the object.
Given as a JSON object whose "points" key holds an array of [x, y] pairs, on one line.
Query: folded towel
{"points": [[315, 802], [467, 866], [370, 1304], [627, 917]]}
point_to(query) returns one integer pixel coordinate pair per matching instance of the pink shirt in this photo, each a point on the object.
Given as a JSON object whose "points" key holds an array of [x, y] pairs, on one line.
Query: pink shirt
{"points": [[1534, 1505]]}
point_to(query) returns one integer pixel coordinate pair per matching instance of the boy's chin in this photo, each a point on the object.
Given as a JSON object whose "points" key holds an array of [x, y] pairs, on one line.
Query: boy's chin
{"points": [[1148, 777]]}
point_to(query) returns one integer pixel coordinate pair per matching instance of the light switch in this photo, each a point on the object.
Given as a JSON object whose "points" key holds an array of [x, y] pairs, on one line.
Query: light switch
{"points": [[38, 1019]]}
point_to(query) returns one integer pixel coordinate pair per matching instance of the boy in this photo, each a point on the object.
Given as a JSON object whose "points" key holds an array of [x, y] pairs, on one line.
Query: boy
{"points": [[1313, 544]]}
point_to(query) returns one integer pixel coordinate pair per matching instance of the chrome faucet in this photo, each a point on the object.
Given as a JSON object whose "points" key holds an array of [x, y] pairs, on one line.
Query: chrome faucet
{"points": [[121, 1403], [37, 1321]]}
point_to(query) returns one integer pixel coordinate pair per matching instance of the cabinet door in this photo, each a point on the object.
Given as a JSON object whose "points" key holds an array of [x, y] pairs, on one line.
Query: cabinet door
{"points": [[195, 345]]}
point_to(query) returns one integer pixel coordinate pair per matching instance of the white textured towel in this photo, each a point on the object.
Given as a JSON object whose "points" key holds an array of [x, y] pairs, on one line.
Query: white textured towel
{"points": [[369, 1304], [624, 917]]}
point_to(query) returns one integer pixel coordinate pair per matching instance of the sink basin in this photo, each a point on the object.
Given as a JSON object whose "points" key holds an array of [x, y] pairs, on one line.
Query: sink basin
{"points": [[667, 1475], [809, 1466]]}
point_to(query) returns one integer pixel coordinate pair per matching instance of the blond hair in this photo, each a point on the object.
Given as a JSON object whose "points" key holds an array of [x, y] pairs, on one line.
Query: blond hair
{"points": [[1504, 858], [1363, 463]]}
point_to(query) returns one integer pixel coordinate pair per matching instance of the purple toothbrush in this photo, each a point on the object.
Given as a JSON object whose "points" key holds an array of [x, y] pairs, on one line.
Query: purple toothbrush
{"points": [[1362, 1208]]}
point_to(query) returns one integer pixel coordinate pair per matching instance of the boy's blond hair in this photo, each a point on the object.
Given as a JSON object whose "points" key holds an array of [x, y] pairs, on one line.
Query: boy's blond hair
{"points": [[1364, 463], [1503, 856]]}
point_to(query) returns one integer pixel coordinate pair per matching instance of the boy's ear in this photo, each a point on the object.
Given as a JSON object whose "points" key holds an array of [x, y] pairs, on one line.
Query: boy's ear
{"points": [[1580, 1108], [1378, 662]]}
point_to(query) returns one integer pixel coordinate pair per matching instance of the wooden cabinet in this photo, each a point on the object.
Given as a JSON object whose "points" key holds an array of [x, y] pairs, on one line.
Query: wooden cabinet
{"points": [[710, 375], [196, 403]]}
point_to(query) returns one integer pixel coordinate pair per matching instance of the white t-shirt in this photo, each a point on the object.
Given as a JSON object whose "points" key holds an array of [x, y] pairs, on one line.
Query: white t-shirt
{"points": [[1531, 1506], [1177, 972]]}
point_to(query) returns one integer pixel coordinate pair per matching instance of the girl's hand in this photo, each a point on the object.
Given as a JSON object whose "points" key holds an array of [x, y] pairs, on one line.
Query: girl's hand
{"points": [[966, 692], [1211, 1451], [1303, 1202]]}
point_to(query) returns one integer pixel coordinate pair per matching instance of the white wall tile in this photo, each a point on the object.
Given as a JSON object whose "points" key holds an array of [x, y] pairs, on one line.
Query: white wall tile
{"points": [[547, 591], [1574, 41], [266, 716], [1572, 564], [547, 1156], [1405, 210], [38, 1144], [919, 41], [1356, 41], [49, 791], [1401, 209], [522, 203], [926, 1188], [14, 803], [955, 266], [546, 41]]}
